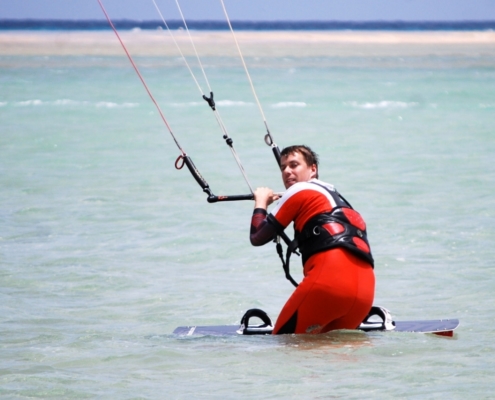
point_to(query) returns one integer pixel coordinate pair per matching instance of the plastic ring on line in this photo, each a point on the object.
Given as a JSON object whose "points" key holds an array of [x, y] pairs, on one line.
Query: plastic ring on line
{"points": [[177, 165], [268, 139]]}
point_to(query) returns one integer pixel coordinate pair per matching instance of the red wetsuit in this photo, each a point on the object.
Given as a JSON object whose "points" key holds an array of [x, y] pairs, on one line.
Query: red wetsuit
{"points": [[338, 287]]}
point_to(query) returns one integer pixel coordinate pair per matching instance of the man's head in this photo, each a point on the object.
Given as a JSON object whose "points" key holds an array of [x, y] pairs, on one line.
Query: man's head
{"points": [[298, 164]]}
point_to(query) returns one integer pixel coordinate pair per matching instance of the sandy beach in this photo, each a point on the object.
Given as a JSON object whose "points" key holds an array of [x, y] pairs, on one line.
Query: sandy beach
{"points": [[253, 44]]}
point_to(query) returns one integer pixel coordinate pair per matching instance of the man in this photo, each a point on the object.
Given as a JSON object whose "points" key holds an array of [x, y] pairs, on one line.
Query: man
{"points": [[338, 287]]}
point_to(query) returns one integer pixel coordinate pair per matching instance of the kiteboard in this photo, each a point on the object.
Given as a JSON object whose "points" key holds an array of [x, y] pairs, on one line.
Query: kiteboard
{"points": [[378, 320]]}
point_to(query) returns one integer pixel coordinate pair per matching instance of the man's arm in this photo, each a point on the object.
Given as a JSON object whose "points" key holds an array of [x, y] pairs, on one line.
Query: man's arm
{"points": [[261, 230]]}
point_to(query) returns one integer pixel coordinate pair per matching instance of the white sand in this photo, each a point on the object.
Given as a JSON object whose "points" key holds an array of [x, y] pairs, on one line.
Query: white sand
{"points": [[281, 43]]}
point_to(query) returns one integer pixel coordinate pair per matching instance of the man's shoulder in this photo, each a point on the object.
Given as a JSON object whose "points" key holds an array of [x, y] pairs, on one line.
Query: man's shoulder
{"points": [[313, 184], [325, 185], [302, 193]]}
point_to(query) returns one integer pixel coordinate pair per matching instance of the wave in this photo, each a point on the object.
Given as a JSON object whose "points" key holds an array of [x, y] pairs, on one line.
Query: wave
{"points": [[108, 104], [381, 104], [236, 103], [189, 104], [68, 102], [232, 103], [285, 104], [482, 105], [29, 103], [221, 103]]}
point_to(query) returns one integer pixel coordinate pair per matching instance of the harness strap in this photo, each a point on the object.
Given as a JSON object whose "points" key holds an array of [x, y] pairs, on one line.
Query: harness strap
{"points": [[292, 245]]}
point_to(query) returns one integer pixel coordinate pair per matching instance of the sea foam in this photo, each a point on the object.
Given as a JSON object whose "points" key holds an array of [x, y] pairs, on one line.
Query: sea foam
{"points": [[381, 104], [287, 104]]}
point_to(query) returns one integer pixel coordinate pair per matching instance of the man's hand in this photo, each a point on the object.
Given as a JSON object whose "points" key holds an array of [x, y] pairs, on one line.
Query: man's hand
{"points": [[264, 196]]}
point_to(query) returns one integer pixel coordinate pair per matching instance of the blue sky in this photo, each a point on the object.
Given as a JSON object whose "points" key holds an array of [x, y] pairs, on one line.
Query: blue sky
{"points": [[356, 10]]}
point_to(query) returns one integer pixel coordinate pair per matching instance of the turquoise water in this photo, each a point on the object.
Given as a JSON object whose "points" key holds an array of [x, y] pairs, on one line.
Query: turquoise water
{"points": [[105, 247]]}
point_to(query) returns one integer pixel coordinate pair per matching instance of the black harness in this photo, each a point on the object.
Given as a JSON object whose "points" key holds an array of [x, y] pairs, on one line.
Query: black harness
{"points": [[341, 227]]}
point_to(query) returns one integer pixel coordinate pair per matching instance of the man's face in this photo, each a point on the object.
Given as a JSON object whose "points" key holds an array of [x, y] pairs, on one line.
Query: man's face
{"points": [[294, 169]]}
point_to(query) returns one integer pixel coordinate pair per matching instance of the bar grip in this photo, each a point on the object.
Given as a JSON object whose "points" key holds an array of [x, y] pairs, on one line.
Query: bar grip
{"points": [[195, 173], [235, 197], [276, 153]]}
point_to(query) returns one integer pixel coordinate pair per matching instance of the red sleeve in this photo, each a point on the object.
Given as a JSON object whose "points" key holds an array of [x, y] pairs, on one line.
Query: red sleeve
{"points": [[261, 230], [300, 207]]}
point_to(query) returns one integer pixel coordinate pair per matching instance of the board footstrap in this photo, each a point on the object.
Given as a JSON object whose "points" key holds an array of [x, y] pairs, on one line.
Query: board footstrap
{"points": [[265, 328], [385, 324]]}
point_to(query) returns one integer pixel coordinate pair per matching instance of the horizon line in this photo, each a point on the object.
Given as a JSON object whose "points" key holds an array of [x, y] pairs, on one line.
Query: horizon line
{"points": [[213, 24]]}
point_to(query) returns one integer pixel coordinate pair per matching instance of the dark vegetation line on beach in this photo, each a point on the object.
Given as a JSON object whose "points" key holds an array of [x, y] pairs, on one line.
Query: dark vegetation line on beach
{"points": [[125, 24]]}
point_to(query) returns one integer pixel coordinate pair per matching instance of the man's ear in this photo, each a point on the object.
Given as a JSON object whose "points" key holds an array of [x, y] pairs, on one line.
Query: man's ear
{"points": [[314, 171]]}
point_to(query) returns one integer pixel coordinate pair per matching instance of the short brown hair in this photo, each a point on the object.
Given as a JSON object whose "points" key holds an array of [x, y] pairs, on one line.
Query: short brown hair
{"points": [[309, 155]]}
